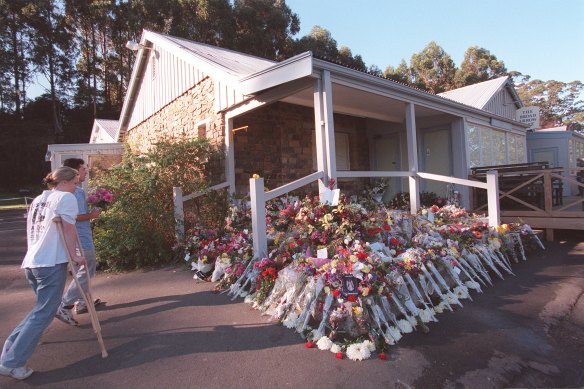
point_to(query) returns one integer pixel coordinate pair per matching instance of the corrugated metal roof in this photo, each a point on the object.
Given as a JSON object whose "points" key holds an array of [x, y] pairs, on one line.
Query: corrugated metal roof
{"points": [[238, 64], [476, 95], [109, 126]]}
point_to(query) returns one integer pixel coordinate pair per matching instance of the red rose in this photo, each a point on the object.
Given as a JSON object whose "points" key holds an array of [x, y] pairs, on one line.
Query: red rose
{"points": [[339, 355], [352, 298], [386, 227], [393, 241], [361, 255], [309, 344], [336, 293], [382, 356]]}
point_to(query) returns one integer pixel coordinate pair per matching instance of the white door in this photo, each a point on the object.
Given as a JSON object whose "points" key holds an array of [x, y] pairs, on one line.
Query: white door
{"points": [[436, 158], [387, 158]]}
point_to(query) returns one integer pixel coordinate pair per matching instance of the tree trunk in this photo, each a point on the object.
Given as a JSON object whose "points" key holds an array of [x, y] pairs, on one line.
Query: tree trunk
{"points": [[16, 69]]}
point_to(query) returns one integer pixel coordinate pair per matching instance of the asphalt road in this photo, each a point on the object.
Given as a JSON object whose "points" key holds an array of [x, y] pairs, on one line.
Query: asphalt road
{"points": [[162, 329]]}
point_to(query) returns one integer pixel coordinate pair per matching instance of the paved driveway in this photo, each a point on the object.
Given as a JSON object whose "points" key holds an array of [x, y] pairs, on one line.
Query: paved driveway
{"points": [[164, 330]]}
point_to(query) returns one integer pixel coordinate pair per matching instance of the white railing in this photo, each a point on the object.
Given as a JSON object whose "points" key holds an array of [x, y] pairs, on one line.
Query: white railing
{"points": [[25, 199], [259, 196], [179, 200]]}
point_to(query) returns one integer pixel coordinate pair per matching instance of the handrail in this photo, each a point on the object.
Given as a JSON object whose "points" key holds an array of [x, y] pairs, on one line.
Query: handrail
{"points": [[299, 183]]}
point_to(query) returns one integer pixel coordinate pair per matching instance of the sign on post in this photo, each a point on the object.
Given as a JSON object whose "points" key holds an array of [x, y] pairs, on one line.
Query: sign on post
{"points": [[528, 115]]}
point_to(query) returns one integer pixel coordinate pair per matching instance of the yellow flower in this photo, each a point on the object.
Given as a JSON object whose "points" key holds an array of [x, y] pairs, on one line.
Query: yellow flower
{"points": [[353, 258], [365, 269], [365, 292], [255, 176], [357, 311], [327, 290]]}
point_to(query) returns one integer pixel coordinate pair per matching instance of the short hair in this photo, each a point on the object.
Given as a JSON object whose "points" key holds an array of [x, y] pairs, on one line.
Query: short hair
{"points": [[73, 163], [64, 173]]}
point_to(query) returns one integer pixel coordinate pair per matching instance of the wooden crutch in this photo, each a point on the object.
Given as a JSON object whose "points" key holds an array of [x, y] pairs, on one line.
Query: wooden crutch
{"points": [[86, 295]]}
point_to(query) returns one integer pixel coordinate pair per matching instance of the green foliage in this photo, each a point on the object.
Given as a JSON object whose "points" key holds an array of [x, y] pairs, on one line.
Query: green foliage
{"points": [[560, 103], [433, 69], [138, 229], [478, 65]]}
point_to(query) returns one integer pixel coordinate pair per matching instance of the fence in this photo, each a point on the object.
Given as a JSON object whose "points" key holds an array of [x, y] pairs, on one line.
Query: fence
{"points": [[179, 200], [259, 196], [16, 201]]}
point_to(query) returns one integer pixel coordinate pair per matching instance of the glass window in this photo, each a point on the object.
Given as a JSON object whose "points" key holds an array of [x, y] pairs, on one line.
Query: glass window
{"points": [[512, 147], [499, 148], [473, 139]]}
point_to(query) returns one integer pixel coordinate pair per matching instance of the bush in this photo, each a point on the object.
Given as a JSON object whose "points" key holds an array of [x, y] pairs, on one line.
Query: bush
{"points": [[138, 230]]}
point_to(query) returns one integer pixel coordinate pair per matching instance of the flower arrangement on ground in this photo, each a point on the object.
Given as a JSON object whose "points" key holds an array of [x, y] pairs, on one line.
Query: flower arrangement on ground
{"points": [[353, 280]]}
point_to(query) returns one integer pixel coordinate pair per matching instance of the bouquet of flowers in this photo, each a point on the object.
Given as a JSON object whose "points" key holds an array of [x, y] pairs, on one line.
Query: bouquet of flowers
{"points": [[100, 198]]}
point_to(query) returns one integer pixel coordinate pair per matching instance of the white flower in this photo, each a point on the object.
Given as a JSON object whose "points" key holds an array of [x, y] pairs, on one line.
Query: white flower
{"points": [[472, 285], [335, 348], [249, 299], [324, 343], [394, 333], [404, 326], [426, 315], [461, 292], [440, 307], [451, 298], [358, 352], [369, 344], [290, 321]]}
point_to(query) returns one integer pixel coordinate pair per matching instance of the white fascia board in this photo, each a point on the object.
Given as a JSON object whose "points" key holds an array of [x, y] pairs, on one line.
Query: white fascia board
{"points": [[208, 67], [84, 147], [292, 69], [133, 88], [367, 82]]}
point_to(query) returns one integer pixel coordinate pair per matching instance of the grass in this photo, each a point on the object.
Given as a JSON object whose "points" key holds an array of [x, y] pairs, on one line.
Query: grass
{"points": [[14, 200]]}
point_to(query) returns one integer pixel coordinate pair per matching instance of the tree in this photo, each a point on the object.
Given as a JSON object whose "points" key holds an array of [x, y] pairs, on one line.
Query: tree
{"points": [[320, 41], [432, 69], [14, 62], [560, 103], [264, 28], [400, 74], [478, 65], [52, 52]]}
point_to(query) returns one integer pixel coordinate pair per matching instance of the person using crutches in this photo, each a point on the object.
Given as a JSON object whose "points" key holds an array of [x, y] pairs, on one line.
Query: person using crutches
{"points": [[72, 297], [45, 266]]}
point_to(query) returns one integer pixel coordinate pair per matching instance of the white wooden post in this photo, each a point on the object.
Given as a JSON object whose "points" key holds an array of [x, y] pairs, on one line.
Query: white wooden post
{"points": [[229, 156], [179, 216], [329, 126], [258, 217], [414, 180], [319, 134], [493, 198]]}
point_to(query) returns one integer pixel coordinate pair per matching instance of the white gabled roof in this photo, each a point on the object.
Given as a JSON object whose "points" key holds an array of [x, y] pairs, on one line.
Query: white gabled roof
{"points": [[232, 62], [109, 126], [478, 95]]}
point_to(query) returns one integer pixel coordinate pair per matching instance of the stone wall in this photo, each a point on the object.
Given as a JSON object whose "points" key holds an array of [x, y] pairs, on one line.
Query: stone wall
{"points": [[279, 144], [180, 119]]}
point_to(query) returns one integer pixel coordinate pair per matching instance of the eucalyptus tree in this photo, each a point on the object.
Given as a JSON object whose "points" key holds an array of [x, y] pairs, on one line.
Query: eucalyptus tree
{"points": [[432, 69], [14, 55], [401, 73], [52, 51], [560, 103], [264, 28], [478, 65]]}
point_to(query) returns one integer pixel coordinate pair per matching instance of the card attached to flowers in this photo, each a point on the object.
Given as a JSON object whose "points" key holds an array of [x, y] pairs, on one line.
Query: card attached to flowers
{"points": [[330, 197], [100, 198]]}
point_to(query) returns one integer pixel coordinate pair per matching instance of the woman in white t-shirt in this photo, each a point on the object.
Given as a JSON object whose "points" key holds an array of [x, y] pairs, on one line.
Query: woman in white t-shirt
{"points": [[45, 267]]}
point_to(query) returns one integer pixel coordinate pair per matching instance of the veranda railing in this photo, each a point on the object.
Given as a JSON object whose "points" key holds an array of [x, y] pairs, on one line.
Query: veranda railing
{"points": [[179, 200], [259, 196]]}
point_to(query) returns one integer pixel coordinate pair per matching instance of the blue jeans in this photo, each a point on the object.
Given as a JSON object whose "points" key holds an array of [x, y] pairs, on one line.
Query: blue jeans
{"points": [[48, 284], [72, 294]]}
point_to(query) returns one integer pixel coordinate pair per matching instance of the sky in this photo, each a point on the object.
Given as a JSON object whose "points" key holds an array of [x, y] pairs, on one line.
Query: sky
{"points": [[540, 38]]}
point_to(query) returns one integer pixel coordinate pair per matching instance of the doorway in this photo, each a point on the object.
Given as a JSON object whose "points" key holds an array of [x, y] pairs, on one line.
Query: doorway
{"points": [[436, 158]]}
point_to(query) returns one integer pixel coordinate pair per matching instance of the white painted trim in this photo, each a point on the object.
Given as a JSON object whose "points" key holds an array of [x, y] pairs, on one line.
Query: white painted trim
{"points": [[229, 155], [412, 139], [372, 173], [299, 183], [329, 126], [202, 192]]}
